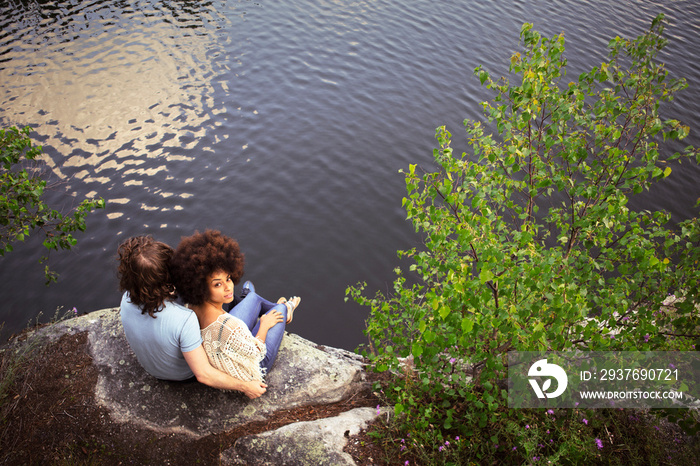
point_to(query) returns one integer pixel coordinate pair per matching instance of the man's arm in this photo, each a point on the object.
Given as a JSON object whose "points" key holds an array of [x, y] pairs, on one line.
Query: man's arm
{"points": [[209, 375]]}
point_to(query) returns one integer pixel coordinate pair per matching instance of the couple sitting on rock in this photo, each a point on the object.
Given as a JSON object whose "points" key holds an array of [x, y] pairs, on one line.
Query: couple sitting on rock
{"points": [[227, 350]]}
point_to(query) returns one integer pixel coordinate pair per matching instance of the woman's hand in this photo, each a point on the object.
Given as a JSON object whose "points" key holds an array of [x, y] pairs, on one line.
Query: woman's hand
{"points": [[254, 389], [269, 320]]}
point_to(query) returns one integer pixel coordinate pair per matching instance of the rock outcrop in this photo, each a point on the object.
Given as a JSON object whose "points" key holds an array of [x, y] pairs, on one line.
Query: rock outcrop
{"points": [[304, 374], [312, 442]]}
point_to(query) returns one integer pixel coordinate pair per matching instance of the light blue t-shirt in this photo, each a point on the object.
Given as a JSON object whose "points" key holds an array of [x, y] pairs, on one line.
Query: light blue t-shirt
{"points": [[159, 343]]}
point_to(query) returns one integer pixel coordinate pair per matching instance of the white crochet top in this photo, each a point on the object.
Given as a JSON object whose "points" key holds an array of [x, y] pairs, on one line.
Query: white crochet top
{"points": [[231, 348]]}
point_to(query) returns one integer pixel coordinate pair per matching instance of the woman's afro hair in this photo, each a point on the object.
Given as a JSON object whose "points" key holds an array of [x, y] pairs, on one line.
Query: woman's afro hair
{"points": [[200, 255]]}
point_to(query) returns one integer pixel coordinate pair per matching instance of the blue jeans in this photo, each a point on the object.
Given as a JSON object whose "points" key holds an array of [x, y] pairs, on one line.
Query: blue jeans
{"points": [[249, 311]]}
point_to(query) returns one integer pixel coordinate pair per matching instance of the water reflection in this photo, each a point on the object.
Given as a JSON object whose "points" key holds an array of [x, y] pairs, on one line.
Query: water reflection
{"points": [[122, 90]]}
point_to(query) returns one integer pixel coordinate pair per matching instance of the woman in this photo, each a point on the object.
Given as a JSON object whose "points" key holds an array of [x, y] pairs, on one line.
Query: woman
{"points": [[243, 342]]}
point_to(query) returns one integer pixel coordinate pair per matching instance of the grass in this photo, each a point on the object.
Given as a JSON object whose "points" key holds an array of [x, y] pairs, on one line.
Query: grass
{"points": [[15, 362]]}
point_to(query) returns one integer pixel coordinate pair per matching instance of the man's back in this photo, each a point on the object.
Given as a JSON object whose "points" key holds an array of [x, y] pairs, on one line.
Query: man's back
{"points": [[159, 343]]}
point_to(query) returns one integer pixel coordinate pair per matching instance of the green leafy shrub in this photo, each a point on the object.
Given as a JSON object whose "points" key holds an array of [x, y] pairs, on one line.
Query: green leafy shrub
{"points": [[23, 208], [529, 240]]}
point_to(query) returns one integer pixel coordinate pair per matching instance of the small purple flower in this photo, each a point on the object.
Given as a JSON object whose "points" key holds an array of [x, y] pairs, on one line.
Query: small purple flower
{"points": [[379, 411], [547, 430], [406, 463], [550, 411], [535, 458], [457, 439], [514, 448], [527, 426], [585, 421], [599, 443], [447, 443], [671, 365], [646, 338], [441, 448], [403, 447], [452, 360], [576, 404]]}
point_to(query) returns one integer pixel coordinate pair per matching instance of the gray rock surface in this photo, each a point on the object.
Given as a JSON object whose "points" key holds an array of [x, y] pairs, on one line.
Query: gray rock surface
{"points": [[304, 374], [303, 443]]}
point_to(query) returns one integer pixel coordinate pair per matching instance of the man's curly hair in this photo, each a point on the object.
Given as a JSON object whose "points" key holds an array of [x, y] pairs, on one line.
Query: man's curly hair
{"points": [[200, 255], [144, 272]]}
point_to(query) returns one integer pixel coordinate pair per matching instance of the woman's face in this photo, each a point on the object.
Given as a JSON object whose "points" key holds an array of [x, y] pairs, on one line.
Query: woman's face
{"points": [[220, 288]]}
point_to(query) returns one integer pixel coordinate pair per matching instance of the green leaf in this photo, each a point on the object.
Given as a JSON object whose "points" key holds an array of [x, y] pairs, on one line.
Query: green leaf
{"points": [[485, 275], [483, 76], [467, 325], [417, 350], [445, 311]]}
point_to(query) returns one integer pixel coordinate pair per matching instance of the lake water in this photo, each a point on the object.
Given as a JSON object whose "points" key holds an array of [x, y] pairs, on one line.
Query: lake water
{"points": [[283, 124]]}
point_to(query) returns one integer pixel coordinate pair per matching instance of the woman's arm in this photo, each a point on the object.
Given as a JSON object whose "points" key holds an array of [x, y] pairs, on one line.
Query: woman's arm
{"points": [[208, 375]]}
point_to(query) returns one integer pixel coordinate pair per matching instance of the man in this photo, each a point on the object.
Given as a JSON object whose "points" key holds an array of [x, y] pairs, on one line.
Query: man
{"points": [[163, 334]]}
